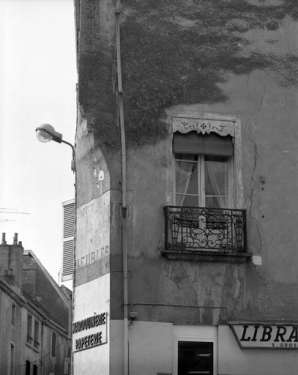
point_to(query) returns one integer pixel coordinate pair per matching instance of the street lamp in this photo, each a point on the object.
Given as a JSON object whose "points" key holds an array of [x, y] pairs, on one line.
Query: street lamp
{"points": [[46, 133]]}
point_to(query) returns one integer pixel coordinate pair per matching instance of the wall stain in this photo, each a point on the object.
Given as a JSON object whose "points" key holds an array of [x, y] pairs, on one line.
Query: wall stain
{"points": [[173, 53], [178, 53]]}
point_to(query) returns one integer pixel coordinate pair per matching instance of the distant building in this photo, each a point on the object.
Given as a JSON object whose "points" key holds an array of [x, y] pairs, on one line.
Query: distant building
{"points": [[34, 316]]}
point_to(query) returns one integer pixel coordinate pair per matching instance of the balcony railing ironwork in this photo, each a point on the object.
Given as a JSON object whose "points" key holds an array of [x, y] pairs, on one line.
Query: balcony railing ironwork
{"points": [[205, 229]]}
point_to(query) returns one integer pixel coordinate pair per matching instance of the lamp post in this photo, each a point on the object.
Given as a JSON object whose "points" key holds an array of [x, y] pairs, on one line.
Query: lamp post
{"points": [[46, 133]]}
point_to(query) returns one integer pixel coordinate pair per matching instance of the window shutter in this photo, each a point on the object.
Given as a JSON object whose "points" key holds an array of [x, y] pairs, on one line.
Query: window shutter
{"points": [[207, 144], [68, 240]]}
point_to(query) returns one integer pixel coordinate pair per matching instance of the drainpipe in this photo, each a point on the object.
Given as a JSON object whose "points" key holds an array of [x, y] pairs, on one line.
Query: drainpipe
{"points": [[124, 192]]}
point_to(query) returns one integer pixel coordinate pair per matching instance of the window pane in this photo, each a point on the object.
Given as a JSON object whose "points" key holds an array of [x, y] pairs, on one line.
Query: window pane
{"points": [[195, 358], [186, 180], [29, 328], [216, 182], [13, 314], [188, 201], [36, 334], [210, 189], [53, 351]]}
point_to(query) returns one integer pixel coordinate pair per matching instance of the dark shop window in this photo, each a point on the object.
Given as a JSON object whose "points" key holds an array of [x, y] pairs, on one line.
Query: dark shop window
{"points": [[195, 358]]}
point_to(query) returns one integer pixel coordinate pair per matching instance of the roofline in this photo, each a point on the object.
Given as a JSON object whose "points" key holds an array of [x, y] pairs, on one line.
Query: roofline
{"points": [[52, 281], [30, 307]]}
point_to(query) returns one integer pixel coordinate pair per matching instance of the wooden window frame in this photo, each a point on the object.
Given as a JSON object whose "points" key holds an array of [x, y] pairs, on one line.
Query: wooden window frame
{"points": [[201, 165]]}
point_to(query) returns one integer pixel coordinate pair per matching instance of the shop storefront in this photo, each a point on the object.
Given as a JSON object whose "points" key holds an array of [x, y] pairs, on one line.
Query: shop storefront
{"points": [[235, 349]]}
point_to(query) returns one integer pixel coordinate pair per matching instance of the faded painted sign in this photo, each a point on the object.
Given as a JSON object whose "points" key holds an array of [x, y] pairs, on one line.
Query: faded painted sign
{"points": [[93, 238]]}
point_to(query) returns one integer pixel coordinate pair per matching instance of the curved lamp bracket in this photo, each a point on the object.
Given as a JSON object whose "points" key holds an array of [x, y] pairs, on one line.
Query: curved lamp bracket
{"points": [[46, 133]]}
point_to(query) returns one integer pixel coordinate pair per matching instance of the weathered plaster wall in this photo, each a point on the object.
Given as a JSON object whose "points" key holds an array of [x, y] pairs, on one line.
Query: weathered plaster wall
{"points": [[181, 53], [152, 348], [96, 68], [229, 57]]}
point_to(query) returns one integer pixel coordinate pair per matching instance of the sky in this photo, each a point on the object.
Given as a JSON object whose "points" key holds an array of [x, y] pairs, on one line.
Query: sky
{"points": [[37, 85]]}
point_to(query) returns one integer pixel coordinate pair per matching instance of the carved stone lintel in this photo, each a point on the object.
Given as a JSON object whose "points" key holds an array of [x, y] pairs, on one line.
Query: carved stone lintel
{"points": [[203, 126]]}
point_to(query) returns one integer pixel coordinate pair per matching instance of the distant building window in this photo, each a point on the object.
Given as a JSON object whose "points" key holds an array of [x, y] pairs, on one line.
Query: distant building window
{"points": [[11, 360], [29, 329], [13, 314], [34, 370], [28, 366], [54, 338], [36, 334]]}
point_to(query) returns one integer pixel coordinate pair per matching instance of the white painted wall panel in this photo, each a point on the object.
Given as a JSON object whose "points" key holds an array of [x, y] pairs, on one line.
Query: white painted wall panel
{"points": [[92, 298], [235, 361], [150, 348]]}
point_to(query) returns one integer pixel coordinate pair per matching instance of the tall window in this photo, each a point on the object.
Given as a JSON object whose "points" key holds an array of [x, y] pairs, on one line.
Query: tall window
{"points": [[11, 360], [13, 314], [54, 338], [34, 370], [29, 329], [28, 367], [203, 170], [36, 334]]}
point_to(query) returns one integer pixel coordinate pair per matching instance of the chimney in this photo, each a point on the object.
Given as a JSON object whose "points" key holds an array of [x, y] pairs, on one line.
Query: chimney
{"points": [[4, 256], [15, 239], [11, 262]]}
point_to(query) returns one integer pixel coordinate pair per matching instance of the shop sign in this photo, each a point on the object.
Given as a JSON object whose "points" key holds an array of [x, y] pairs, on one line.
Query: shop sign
{"points": [[266, 336], [95, 335]]}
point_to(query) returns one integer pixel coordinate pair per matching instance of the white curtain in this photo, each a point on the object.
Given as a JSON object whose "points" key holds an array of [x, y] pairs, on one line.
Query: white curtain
{"points": [[217, 173], [184, 172]]}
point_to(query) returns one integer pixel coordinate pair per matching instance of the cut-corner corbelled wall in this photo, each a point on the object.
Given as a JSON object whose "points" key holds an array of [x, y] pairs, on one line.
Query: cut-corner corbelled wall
{"points": [[180, 58]]}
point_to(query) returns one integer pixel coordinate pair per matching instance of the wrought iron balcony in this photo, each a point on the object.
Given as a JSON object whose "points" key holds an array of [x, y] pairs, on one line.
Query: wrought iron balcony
{"points": [[213, 230]]}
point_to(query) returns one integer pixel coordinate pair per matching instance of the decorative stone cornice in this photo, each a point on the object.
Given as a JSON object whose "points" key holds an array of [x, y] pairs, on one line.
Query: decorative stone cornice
{"points": [[203, 126]]}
